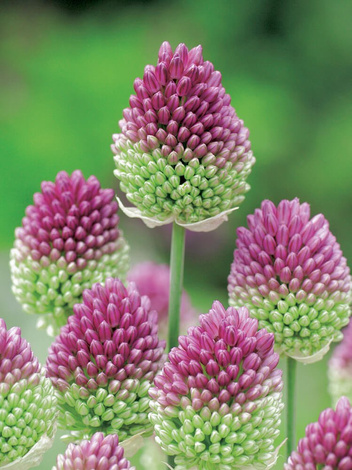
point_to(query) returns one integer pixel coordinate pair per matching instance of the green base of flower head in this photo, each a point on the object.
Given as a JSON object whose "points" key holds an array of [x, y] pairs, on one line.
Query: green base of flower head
{"points": [[303, 325], [119, 408], [51, 289], [234, 436], [190, 191], [27, 412]]}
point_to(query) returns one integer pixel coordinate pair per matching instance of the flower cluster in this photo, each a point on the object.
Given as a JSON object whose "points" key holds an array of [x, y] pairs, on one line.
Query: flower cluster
{"points": [[104, 362], [327, 443], [27, 402], [153, 280], [183, 153], [218, 399], [68, 240], [101, 452], [289, 271], [340, 367]]}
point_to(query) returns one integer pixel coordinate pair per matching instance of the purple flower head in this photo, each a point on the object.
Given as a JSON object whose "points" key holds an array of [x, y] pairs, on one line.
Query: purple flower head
{"points": [[104, 361], [69, 239], [99, 453], [183, 154], [27, 402], [153, 280], [218, 398], [340, 367], [328, 443], [289, 271]]}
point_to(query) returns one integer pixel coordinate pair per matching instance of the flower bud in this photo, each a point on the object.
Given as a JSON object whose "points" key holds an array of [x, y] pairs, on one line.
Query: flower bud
{"points": [[69, 239], [218, 398], [192, 126], [289, 271], [104, 360], [327, 443], [100, 452], [28, 406]]}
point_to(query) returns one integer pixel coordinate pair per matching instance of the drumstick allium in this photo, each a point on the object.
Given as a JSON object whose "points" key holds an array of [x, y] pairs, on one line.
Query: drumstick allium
{"points": [[217, 401], [104, 361], [69, 240], [327, 443], [289, 271], [99, 453], [28, 406], [183, 154]]}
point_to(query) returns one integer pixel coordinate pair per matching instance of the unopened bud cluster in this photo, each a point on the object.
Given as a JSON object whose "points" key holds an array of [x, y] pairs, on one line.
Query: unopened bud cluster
{"points": [[183, 152], [99, 453], [217, 401], [69, 239], [327, 443], [27, 400], [289, 270], [104, 362]]}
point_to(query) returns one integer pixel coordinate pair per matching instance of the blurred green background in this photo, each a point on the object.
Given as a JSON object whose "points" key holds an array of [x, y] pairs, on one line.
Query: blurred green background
{"points": [[68, 69]]}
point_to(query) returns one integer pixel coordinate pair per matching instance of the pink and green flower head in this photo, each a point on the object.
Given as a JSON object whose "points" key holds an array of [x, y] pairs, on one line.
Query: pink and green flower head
{"points": [[328, 443], [69, 239], [289, 271], [153, 280], [28, 406], [99, 453], [183, 154], [218, 400], [340, 367], [104, 361]]}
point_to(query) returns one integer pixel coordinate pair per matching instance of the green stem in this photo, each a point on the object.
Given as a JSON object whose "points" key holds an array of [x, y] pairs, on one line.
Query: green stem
{"points": [[176, 286], [176, 282], [290, 405]]}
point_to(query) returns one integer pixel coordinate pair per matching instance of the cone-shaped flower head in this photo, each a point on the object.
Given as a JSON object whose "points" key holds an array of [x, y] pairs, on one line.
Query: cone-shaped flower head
{"points": [[289, 271], [100, 452], [340, 367], [218, 399], [183, 154], [105, 360], [69, 239], [27, 402], [153, 280], [328, 443]]}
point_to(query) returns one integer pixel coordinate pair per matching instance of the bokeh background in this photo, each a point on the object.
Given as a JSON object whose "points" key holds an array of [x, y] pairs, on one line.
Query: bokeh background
{"points": [[67, 73]]}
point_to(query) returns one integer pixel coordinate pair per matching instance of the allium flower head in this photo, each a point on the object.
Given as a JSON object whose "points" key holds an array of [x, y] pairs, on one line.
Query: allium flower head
{"points": [[105, 360], [288, 270], [340, 367], [328, 443], [218, 401], [183, 154], [153, 280], [27, 403], [69, 239], [100, 452]]}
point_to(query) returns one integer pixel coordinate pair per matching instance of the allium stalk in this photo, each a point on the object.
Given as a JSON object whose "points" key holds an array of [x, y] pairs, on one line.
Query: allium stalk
{"points": [[69, 240], [218, 400], [340, 367], [328, 443], [104, 361], [289, 271], [182, 155], [153, 280], [99, 453], [28, 406]]}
